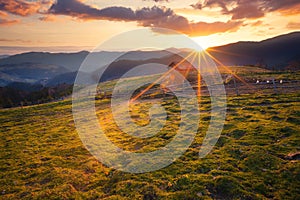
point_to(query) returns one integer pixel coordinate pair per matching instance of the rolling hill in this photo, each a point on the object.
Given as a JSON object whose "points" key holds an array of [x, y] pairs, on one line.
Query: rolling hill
{"points": [[275, 53]]}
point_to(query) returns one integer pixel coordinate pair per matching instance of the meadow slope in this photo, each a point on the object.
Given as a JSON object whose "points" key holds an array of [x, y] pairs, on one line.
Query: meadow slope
{"points": [[42, 156]]}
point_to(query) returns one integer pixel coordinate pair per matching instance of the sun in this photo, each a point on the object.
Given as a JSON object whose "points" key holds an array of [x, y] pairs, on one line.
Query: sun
{"points": [[203, 42]]}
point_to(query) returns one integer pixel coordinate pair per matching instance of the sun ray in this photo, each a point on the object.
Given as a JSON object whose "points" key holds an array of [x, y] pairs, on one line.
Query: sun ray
{"points": [[189, 69], [199, 78], [227, 53], [160, 78], [228, 70]]}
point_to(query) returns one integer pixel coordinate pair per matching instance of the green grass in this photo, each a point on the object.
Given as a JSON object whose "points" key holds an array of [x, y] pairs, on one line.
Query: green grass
{"points": [[42, 157]]}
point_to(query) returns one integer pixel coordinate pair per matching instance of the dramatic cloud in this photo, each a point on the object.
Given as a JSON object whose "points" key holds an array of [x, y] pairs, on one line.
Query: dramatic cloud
{"points": [[22, 7], [147, 17], [78, 9], [241, 9]]}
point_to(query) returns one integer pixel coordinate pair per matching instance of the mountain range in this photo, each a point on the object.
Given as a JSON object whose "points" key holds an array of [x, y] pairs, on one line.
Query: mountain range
{"points": [[50, 69]]}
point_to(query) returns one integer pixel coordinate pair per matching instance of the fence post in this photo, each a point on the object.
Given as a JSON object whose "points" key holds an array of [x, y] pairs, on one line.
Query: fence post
{"points": [[274, 85]]}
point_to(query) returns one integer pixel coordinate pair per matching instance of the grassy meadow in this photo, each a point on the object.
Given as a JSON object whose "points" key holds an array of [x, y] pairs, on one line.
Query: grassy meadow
{"points": [[42, 156]]}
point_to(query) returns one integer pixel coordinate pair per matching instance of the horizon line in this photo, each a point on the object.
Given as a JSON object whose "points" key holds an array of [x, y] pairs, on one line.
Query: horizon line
{"points": [[17, 49]]}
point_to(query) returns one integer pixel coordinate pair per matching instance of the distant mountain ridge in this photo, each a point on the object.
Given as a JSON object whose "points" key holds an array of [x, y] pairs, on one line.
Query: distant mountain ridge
{"points": [[275, 53], [72, 61]]}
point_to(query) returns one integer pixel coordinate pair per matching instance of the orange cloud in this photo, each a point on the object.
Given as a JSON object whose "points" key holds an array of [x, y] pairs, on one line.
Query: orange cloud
{"points": [[48, 18], [3, 14], [22, 7], [295, 10], [257, 23], [6, 22]]}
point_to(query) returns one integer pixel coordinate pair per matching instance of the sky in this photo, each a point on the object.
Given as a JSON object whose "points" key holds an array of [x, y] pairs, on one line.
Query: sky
{"points": [[75, 25]]}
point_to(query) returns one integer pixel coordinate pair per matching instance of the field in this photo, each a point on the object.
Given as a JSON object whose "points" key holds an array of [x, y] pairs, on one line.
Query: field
{"points": [[42, 156]]}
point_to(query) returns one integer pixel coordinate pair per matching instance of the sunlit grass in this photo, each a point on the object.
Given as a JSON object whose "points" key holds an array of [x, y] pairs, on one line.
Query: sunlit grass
{"points": [[42, 157]]}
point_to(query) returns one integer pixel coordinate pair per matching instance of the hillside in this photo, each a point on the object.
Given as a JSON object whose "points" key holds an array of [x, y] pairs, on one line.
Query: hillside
{"points": [[42, 157], [256, 157], [275, 53], [151, 65]]}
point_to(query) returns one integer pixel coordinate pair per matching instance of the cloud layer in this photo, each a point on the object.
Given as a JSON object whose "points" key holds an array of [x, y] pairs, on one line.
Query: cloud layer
{"points": [[80, 10], [147, 17], [242, 9], [239, 10]]}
